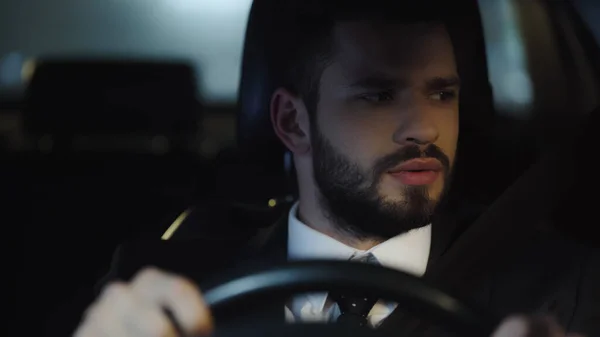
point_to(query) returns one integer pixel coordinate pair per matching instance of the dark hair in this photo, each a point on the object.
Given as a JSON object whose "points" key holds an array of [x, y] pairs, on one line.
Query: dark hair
{"points": [[307, 25]]}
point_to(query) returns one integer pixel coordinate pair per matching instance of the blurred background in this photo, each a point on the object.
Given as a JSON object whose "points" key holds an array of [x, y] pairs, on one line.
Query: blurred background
{"points": [[209, 35]]}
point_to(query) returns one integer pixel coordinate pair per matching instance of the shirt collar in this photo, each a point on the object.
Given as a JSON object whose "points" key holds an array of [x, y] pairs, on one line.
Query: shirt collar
{"points": [[408, 252]]}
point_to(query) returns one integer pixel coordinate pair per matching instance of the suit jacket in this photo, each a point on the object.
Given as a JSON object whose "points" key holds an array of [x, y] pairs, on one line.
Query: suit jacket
{"points": [[541, 273], [497, 267]]}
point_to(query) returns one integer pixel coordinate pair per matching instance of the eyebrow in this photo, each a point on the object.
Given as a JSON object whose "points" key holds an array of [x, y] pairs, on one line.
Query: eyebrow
{"points": [[383, 82], [438, 83]]}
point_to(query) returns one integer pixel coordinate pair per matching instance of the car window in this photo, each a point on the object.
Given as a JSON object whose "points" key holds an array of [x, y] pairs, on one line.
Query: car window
{"points": [[536, 62]]}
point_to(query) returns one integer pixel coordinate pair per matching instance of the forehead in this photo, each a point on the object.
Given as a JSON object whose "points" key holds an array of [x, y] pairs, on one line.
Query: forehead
{"points": [[380, 46]]}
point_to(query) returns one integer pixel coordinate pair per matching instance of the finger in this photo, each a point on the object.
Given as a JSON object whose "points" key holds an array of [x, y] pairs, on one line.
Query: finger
{"points": [[180, 296], [149, 322], [102, 318], [99, 319], [532, 326], [120, 313], [515, 326]]}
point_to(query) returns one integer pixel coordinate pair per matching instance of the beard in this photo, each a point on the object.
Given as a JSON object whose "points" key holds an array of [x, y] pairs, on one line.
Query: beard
{"points": [[350, 199]]}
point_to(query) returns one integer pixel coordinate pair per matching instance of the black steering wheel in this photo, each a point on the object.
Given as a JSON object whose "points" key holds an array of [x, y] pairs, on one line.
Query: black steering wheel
{"points": [[240, 293]]}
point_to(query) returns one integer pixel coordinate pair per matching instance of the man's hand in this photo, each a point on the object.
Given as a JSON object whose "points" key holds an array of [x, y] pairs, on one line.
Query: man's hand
{"points": [[519, 326], [137, 308]]}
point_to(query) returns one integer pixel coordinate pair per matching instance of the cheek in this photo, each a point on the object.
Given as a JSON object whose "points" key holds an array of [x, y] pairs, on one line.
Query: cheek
{"points": [[362, 140], [357, 130], [448, 139]]}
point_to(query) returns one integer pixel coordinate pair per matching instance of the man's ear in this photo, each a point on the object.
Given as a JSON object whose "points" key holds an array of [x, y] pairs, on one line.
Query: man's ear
{"points": [[290, 121]]}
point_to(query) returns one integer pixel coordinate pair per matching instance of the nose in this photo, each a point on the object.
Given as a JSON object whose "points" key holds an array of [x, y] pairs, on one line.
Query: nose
{"points": [[418, 127]]}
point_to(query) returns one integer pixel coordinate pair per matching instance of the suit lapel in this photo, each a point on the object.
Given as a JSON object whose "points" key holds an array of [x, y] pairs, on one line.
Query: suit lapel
{"points": [[267, 248], [399, 320], [443, 232], [439, 244]]}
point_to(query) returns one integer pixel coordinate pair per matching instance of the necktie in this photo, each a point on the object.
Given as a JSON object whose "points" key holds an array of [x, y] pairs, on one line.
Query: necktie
{"points": [[354, 308]]}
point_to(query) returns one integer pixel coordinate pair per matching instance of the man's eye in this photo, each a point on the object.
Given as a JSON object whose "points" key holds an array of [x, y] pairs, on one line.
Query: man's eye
{"points": [[444, 95], [377, 97]]}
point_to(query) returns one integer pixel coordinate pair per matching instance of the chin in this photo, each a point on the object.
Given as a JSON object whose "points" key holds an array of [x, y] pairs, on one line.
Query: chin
{"points": [[412, 195], [395, 198], [405, 193]]}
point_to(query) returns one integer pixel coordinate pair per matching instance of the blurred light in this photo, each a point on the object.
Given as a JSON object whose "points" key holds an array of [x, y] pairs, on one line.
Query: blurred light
{"points": [[227, 7], [213, 32], [175, 225], [27, 70], [506, 57], [518, 87], [272, 202]]}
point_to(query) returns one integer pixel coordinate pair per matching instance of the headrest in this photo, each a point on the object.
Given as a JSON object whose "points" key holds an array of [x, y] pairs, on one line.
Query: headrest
{"points": [[255, 136], [87, 97]]}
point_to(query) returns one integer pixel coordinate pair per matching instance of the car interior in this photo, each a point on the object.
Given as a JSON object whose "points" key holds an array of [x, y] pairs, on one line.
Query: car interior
{"points": [[91, 160]]}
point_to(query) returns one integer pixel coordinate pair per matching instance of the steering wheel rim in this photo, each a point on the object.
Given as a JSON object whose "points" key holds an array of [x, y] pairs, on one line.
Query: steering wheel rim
{"points": [[297, 277]]}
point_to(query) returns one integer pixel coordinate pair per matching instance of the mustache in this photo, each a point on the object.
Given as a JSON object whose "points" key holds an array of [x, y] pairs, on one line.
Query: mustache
{"points": [[392, 160]]}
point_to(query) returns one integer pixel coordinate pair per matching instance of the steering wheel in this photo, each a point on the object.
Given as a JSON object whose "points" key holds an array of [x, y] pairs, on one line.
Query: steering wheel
{"points": [[238, 293]]}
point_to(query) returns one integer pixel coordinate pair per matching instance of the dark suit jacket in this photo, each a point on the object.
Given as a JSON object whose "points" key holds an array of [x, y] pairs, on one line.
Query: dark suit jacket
{"points": [[545, 275], [507, 269]]}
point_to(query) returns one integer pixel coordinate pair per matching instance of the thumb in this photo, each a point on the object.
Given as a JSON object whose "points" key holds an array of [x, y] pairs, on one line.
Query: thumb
{"points": [[532, 326], [515, 326]]}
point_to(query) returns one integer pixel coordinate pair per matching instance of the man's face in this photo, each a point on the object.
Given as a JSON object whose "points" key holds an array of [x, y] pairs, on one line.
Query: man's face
{"points": [[385, 131]]}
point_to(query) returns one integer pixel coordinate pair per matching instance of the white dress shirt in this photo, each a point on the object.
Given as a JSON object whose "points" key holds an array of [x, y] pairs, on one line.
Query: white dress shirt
{"points": [[408, 252]]}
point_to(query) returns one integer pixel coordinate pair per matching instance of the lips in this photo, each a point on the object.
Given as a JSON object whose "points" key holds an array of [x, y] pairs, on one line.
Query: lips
{"points": [[420, 164], [418, 172]]}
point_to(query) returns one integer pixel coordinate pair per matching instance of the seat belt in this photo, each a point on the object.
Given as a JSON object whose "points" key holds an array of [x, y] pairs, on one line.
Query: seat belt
{"points": [[512, 219]]}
